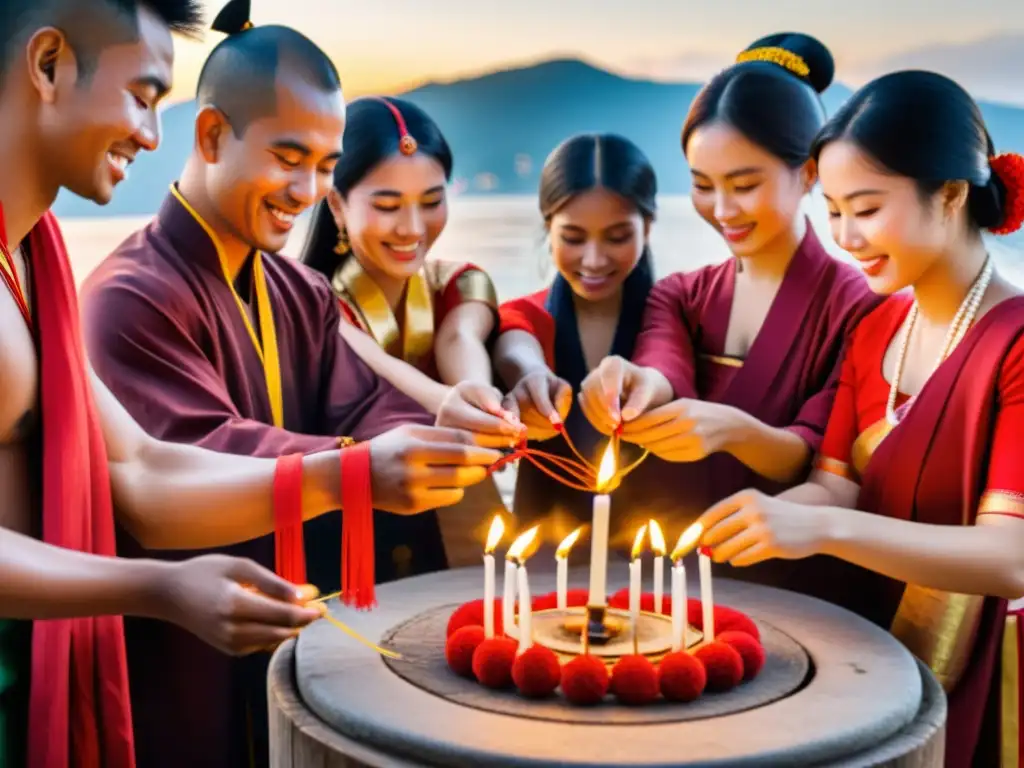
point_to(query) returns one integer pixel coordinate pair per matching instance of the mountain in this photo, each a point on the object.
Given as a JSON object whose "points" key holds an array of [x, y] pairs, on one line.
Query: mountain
{"points": [[502, 126]]}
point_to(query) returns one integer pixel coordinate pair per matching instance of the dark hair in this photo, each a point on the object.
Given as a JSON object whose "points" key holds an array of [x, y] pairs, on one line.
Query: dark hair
{"points": [[120, 22], [771, 96], [372, 135], [925, 127]]}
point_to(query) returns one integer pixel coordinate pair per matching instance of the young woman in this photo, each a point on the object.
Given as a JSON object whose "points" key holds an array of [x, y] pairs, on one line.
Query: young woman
{"points": [[734, 372], [597, 197], [925, 431]]}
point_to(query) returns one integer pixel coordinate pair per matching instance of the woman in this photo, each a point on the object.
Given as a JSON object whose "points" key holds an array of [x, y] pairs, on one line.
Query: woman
{"points": [[734, 372], [926, 425], [597, 197]]}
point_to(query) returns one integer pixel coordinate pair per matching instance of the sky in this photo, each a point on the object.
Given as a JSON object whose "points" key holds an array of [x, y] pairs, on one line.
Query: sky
{"points": [[384, 46]]}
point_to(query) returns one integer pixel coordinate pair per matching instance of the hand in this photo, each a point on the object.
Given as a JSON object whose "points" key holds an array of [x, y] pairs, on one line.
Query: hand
{"points": [[686, 430], [602, 393], [477, 408], [233, 604], [542, 400], [417, 468], [749, 527]]}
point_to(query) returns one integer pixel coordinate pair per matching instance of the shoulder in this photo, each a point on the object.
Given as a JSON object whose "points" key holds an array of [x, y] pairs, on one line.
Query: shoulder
{"points": [[684, 286], [526, 313], [529, 303], [299, 282], [440, 272], [875, 330]]}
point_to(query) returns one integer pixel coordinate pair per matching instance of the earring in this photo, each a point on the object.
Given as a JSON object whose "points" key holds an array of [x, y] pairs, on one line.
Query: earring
{"points": [[343, 246]]}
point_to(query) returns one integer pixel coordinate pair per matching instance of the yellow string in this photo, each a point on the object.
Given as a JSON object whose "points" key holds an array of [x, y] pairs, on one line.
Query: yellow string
{"points": [[351, 632]]}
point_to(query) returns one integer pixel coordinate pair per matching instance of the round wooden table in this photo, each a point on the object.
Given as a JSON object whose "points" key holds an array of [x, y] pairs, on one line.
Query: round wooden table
{"points": [[865, 700]]}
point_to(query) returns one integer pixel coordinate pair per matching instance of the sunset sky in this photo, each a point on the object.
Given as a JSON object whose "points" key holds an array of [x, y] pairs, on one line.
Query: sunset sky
{"points": [[385, 45]]}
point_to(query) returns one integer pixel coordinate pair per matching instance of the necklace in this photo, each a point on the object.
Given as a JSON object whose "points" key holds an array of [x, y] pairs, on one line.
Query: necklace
{"points": [[962, 322]]}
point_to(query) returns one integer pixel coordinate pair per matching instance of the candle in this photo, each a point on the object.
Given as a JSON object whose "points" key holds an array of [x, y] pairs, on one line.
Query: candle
{"points": [[508, 599], [634, 584], [707, 604], [680, 624], [562, 562], [525, 611], [515, 555], [658, 547], [599, 538], [493, 538]]}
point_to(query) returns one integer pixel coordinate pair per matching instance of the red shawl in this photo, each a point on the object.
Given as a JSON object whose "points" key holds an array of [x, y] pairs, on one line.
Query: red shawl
{"points": [[79, 709]]}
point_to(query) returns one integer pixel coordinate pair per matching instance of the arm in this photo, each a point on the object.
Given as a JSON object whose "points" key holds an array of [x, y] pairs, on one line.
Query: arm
{"points": [[777, 454], [460, 344], [517, 355], [665, 345]]}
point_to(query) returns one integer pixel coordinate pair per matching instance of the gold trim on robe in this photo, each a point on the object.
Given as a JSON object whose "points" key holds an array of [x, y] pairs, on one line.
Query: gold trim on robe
{"points": [[1002, 503], [867, 443], [731, 362], [836, 467], [1009, 695]]}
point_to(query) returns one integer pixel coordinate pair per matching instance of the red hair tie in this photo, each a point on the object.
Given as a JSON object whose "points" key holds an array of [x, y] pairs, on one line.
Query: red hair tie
{"points": [[1009, 167], [407, 145]]}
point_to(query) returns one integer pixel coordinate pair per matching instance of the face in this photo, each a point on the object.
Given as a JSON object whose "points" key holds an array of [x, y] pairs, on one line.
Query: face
{"points": [[280, 166], [596, 240], [747, 194], [93, 128], [395, 214], [881, 219]]}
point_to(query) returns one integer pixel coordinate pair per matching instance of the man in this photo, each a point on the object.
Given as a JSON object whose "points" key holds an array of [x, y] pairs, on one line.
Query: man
{"points": [[79, 84], [207, 337]]}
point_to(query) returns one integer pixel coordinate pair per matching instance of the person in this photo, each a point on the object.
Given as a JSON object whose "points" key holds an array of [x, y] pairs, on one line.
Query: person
{"points": [[598, 200], [424, 326], [923, 435], [81, 104], [735, 369]]}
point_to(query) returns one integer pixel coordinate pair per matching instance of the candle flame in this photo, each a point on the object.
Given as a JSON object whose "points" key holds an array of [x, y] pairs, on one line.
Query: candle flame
{"points": [[657, 539], [688, 539], [638, 542], [494, 534], [563, 548], [606, 472], [520, 545]]}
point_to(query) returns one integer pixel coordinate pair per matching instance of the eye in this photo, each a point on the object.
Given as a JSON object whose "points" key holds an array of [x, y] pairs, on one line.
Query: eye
{"points": [[703, 187], [747, 187], [570, 240], [385, 208], [287, 162], [866, 213]]}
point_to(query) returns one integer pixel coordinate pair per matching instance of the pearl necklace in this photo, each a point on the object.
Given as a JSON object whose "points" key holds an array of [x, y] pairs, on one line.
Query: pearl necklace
{"points": [[962, 322]]}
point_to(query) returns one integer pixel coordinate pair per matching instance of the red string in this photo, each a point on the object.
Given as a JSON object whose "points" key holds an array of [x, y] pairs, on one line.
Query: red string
{"points": [[289, 548], [357, 558]]}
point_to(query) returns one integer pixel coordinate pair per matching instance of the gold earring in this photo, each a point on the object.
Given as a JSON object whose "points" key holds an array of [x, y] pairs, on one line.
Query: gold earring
{"points": [[343, 246]]}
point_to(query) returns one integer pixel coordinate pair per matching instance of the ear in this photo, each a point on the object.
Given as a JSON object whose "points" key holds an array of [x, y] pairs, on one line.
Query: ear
{"points": [[953, 196], [336, 206], [212, 129], [809, 175], [647, 230], [44, 52]]}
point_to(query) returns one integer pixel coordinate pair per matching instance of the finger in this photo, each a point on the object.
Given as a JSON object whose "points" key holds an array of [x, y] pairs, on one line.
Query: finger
{"points": [[638, 400], [248, 572], [539, 394], [510, 406], [596, 412], [479, 421], [433, 499], [257, 607], [447, 438], [445, 477], [499, 441], [612, 379], [726, 534], [561, 393], [489, 400], [722, 510], [646, 434], [674, 411], [452, 454], [251, 637], [734, 545], [755, 554]]}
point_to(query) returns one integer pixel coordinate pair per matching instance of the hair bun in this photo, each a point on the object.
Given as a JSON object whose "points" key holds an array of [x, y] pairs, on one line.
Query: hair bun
{"points": [[1009, 169], [802, 55], [233, 17]]}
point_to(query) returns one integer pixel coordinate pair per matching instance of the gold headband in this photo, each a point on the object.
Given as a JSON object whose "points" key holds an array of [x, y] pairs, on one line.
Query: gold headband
{"points": [[247, 25], [785, 59]]}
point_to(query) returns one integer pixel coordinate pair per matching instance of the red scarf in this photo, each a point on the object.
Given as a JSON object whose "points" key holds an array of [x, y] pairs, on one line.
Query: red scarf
{"points": [[79, 708]]}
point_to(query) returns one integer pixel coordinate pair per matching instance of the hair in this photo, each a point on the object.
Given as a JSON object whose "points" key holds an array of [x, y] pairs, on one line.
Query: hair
{"points": [[372, 135], [771, 96], [925, 127], [91, 25]]}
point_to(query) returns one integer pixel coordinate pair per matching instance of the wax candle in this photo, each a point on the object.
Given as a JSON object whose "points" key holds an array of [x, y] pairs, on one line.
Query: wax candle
{"points": [[679, 622], [508, 599], [658, 548], [493, 538], [562, 563], [599, 537], [707, 603], [515, 555], [525, 611], [635, 572]]}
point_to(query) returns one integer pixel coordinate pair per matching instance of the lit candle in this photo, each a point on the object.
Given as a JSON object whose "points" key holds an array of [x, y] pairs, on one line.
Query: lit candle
{"points": [[680, 624], [658, 547], [493, 538], [517, 554], [599, 537], [508, 599], [562, 562], [635, 567], [707, 604]]}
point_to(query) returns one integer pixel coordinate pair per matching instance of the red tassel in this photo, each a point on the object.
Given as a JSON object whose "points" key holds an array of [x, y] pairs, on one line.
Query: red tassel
{"points": [[357, 560], [289, 547]]}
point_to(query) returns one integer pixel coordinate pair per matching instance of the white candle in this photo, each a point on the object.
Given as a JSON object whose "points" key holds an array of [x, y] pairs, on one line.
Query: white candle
{"points": [[525, 611], [679, 611], [508, 600], [488, 595], [599, 550], [658, 547], [707, 603], [562, 581], [634, 593]]}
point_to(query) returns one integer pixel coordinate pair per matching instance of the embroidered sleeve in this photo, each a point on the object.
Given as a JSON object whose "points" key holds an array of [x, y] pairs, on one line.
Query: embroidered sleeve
{"points": [[1004, 490], [836, 450], [461, 283]]}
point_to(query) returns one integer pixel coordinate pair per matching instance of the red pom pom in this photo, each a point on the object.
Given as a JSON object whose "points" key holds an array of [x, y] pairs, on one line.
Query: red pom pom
{"points": [[493, 660], [726, 619], [461, 646], [471, 613], [620, 599], [536, 672], [545, 602], [1010, 169], [722, 663], [577, 597], [635, 680], [749, 649], [681, 677], [585, 680]]}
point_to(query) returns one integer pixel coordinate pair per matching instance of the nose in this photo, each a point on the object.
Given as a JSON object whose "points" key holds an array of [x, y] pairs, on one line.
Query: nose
{"points": [[725, 206], [848, 235], [305, 187], [148, 134], [410, 221], [592, 258]]}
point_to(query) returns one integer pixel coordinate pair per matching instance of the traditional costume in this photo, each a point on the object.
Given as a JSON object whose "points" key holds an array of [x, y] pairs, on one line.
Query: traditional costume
{"points": [[256, 370], [944, 457], [79, 713]]}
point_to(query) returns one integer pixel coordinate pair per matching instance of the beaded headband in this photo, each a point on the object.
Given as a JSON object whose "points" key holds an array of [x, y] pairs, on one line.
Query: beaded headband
{"points": [[775, 55], [407, 145]]}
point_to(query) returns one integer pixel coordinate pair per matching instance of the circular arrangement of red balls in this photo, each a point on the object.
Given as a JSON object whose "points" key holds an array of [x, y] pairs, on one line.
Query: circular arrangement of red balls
{"points": [[736, 656]]}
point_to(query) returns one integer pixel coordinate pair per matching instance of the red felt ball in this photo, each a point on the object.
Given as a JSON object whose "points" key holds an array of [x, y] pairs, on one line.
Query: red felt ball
{"points": [[545, 602], [574, 598], [493, 660], [722, 664], [620, 599], [536, 672], [585, 680], [749, 649], [471, 613], [634, 680], [461, 646], [726, 619], [681, 677]]}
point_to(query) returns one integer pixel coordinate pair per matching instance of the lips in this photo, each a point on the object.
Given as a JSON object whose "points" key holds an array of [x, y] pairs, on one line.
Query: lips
{"points": [[593, 283], [873, 267], [281, 219], [118, 163], [404, 251], [737, 234]]}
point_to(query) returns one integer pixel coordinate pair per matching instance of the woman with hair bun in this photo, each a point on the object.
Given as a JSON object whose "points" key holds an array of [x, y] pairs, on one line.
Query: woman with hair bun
{"points": [[924, 436], [735, 370]]}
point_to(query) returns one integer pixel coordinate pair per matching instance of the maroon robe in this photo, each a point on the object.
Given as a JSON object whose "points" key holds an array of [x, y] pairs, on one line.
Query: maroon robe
{"points": [[165, 334]]}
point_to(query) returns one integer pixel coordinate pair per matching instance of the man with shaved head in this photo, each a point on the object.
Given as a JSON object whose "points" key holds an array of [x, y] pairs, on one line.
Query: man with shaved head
{"points": [[208, 337]]}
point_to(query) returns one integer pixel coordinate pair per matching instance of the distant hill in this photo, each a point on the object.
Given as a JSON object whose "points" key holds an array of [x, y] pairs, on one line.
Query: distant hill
{"points": [[503, 125]]}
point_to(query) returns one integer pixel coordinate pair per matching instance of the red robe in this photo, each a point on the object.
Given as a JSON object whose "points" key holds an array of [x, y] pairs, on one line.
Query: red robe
{"points": [[953, 457], [166, 335]]}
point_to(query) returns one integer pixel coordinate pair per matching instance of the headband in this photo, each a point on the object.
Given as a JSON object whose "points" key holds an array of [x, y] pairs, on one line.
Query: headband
{"points": [[233, 18], [407, 145], [780, 56], [1009, 167]]}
